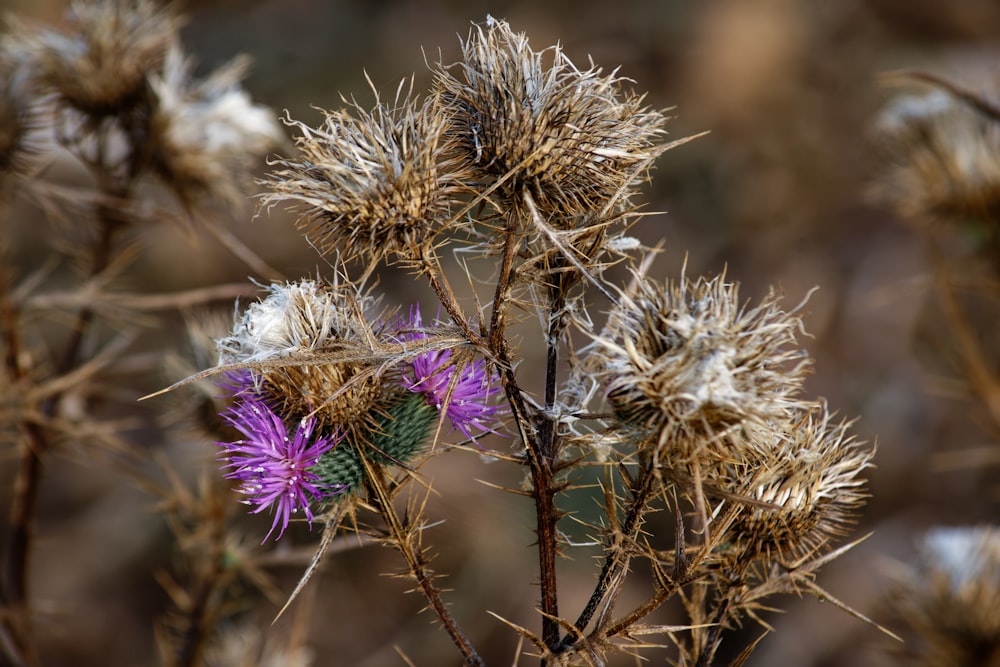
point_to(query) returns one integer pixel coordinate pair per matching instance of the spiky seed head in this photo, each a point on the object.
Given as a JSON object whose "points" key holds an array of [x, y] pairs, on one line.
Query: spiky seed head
{"points": [[943, 158], [806, 485], [683, 362], [102, 67], [571, 138], [285, 337], [948, 599], [207, 135], [371, 183]]}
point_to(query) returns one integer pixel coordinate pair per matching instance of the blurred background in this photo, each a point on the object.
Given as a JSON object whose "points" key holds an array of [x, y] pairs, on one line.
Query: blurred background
{"points": [[778, 194]]}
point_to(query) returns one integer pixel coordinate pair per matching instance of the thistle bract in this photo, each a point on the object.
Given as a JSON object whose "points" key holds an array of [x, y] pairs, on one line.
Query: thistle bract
{"points": [[395, 438]]}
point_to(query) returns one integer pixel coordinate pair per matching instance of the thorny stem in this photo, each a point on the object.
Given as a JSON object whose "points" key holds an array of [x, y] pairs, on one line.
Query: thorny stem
{"points": [[714, 635], [403, 541], [617, 558], [548, 449], [714, 638], [684, 569], [200, 612], [539, 446], [544, 490], [446, 296], [557, 300], [28, 481], [512, 238], [649, 606], [13, 593]]}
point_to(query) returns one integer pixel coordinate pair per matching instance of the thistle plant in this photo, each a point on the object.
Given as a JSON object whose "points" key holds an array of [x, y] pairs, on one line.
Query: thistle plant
{"points": [[941, 173], [676, 407], [687, 400], [108, 97]]}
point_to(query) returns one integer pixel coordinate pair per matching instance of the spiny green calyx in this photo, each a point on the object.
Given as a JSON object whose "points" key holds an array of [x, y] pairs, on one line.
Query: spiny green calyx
{"points": [[397, 436]]}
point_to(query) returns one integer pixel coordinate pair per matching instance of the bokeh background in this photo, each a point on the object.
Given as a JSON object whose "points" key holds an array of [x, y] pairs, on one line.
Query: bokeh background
{"points": [[778, 194]]}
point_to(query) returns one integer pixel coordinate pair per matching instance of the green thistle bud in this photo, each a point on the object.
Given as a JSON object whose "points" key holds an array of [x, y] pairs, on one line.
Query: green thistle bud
{"points": [[397, 436]]}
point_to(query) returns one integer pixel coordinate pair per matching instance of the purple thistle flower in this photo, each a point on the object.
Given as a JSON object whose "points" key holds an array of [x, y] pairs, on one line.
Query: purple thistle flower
{"points": [[431, 374], [271, 466]]}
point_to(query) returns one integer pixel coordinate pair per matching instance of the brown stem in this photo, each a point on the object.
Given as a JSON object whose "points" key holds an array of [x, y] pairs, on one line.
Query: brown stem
{"points": [[557, 323], [546, 511], [685, 571], [714, 635], [403, 541], [501, 298], [539, 444], [28, 481], [541, 458], [446, 296], [547, 517], [617, 559], [13, 591], [200, 615], [646, 608]]}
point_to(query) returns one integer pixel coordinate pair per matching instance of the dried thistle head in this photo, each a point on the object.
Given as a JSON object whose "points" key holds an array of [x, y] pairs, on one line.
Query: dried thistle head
{"points": [[943, 157], [372, 183], [948, 599], [805, 483], [684, 362], [307, 342], [101, 68], [22, 113], [572, 139], [207, 135]]}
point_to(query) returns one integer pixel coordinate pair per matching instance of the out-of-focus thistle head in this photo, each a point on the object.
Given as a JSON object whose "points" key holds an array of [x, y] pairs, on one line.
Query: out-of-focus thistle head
{"points": [[804, 479], [948, 599], [309, 347], [942, 156], [571, 139], [100, 68], [207, 135], [684, 362], [22, 112], [374, 184]]}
